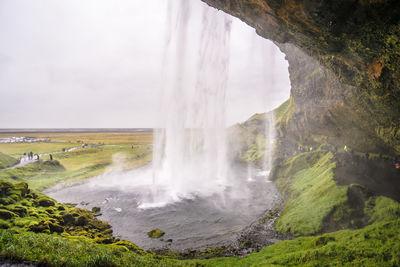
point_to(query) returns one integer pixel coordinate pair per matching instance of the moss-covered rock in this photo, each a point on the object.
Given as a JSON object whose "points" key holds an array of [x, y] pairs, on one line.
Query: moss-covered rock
{"points": [[45, 202], [82, 221], [21, 211], [6, 214], [4, 224], [155, 233], [344, 65], [5, 187], [55, 227], [96, 209], [39, 227], [130, 246], [33, 211]]}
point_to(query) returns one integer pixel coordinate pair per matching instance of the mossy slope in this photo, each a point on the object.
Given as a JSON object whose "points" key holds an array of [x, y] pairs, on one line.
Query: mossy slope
{"points": [[6, 161], [311, 193], [25, 210], [375, 245], [77, 165]]}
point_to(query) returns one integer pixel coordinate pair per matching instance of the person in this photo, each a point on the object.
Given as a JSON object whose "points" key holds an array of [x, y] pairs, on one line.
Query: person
{"points": [[51, 157], [366, 155], [345, 148], [394, 161], [37, 157]]}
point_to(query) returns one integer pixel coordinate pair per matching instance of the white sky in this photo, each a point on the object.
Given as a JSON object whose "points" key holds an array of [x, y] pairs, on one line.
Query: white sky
{"points": [[97, 63]]}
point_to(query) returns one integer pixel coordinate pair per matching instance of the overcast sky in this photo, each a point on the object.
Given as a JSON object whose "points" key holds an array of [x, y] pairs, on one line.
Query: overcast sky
{"points": [[98, 63]]}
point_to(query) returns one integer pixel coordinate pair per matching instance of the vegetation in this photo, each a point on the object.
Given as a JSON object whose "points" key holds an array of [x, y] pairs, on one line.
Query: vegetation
{"points": [[110, 138], [307, 180], [282, 115], [38, 229], [18, 149], [155, 233], [374, 245], [382, 209], [79, 164], [7, 161], [25, 210]]}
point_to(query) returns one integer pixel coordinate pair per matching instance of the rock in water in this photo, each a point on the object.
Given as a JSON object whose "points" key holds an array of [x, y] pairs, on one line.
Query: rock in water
{"points": [[155, 233]]}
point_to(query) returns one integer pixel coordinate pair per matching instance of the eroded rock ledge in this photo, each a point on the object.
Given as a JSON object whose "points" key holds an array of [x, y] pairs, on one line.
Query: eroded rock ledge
{"points": [[344, 61]]}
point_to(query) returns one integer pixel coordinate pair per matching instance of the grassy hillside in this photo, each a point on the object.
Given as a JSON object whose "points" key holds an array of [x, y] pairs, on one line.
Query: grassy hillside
{"points": [[18, 149], [125, 151], [375, 245], [6, 161], [108, 138], [306, 181]]}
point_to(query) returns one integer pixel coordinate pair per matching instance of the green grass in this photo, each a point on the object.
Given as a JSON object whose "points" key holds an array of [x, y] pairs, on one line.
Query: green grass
{"points": [[80, 164], [382, 209], [57, 251], [122, 151], [307, 183], [283, 114], [94, 138], [6, 161], [25, 210], [374, 245], [18, 149]]}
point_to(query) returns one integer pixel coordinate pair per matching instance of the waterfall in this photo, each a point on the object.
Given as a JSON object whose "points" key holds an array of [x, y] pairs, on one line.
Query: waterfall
{"points": [[190, 148], [270, 135]]}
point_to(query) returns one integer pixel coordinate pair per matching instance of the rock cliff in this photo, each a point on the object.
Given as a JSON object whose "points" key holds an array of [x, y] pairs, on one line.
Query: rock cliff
{"points": [[344, 65]]}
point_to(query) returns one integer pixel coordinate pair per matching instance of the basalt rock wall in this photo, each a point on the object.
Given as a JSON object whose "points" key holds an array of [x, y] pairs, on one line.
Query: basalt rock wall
{"points": [[344, 65]]}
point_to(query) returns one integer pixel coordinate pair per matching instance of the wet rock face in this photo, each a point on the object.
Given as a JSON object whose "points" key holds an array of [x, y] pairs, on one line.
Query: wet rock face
{"points": [[348, 36], [344, 59]]}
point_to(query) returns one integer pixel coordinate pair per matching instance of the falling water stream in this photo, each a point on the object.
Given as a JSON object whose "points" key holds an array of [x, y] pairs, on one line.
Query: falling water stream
{"points": [[190, 150]]}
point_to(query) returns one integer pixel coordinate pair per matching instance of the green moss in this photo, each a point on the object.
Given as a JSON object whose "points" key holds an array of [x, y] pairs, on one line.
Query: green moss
{"points": [[323, 240], [374, 245], [4, 224], [382, 209], [342, 248], [130, 246], [34, 211], [283, 114], [5, 187], [155, 233], [45, 202], [6, 214], [310, 191], [21, 211], [39, 227]]}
